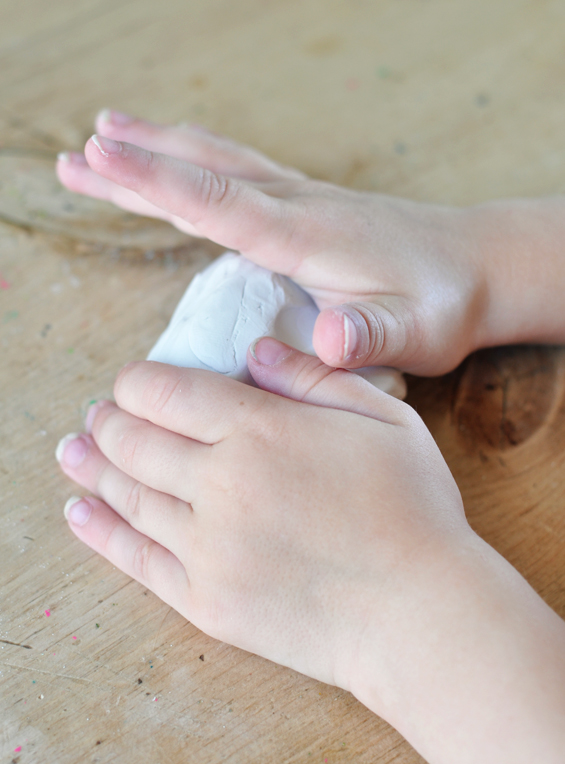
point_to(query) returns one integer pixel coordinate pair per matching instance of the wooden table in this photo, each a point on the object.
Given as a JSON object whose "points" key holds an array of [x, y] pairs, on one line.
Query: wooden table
{"points": [[446, 100]]}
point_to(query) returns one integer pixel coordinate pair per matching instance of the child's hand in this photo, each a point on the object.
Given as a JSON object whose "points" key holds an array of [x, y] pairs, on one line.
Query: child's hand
{"points": [[270, 523], [410, 275], [327, 534]]}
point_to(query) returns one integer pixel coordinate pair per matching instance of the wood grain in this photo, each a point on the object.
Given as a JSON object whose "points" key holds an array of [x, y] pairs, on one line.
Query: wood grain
{"points": [[451, 101]]}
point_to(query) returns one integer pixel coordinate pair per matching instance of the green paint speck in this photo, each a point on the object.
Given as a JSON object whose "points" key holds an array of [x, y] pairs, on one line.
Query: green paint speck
{"points": [[70, 351], [383, 72], [10, 315], [97, 625]]}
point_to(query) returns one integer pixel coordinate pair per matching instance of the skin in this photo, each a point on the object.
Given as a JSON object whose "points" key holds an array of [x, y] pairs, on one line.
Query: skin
{"points": [[241, 508], [312, 520], [415, 286]]}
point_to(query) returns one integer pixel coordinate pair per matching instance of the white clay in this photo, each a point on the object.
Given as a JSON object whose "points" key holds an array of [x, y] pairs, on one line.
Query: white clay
{"points": [[232, 303]]}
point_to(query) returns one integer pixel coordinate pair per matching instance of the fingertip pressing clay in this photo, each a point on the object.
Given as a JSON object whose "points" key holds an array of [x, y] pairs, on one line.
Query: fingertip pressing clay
{"points": [[234, 302]]}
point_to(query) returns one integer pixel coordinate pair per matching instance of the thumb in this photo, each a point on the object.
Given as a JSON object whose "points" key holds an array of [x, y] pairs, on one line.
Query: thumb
{"points": [[280, 369], [382, 332]]}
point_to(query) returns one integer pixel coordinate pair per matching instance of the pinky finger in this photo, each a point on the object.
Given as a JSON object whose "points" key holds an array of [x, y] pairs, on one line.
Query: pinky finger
{"points": [[100, 528]]}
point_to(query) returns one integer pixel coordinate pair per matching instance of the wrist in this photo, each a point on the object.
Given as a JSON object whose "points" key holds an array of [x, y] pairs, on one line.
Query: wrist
{"points": [[474, 666], [519, 246]]}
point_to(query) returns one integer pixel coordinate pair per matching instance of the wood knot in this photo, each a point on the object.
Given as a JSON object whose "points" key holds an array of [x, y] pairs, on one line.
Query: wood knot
{"points": [[505, 395]]}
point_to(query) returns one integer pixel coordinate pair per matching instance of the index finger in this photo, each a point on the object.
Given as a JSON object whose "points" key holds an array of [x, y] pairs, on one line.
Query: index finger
{"points": [[199, 404]]}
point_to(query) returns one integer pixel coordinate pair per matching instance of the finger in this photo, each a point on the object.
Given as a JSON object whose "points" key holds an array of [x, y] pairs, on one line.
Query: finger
{"points": [[75, 174], [161, 516], [137, 555], [227, 211], [280, 369], [383, 332], [198, 404], [196, 145], [162, 460]]}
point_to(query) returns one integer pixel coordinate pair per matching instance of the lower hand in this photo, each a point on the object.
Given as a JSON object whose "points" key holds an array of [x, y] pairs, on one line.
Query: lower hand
{"points": [[320, 527], [277, 524]]}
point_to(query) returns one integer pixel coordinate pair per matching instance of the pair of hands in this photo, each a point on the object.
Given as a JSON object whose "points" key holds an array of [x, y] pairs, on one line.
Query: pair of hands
{"points": [[312, 520], [271, 520]]}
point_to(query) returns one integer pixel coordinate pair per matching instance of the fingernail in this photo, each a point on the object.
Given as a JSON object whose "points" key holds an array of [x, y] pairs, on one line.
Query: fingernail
{"points": [[77, 510], [112, 117], [269, 352], [72, 157], [91, 414], [106, 146], [71, 450], [349, 336]]}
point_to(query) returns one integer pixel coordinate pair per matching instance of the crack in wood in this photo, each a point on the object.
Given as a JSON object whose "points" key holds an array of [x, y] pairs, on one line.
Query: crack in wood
{"points": [[16, 644]]}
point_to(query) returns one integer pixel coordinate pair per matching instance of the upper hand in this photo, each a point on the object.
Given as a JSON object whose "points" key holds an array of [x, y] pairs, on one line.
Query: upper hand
{"points": [[405, 275]]}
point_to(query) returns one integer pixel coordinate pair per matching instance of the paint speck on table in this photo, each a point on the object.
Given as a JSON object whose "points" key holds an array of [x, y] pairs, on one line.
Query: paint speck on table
{"points": [[47, 613], [74, 637], [18, 749], [10, 315], [3, 283]]}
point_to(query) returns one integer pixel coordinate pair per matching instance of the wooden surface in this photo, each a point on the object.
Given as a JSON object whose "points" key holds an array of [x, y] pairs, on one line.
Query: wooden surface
{"points": [[449, 100]]}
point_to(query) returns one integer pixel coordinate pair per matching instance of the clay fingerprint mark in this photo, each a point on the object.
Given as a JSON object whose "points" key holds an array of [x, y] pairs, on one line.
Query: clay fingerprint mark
{"points": [[505, 395]]}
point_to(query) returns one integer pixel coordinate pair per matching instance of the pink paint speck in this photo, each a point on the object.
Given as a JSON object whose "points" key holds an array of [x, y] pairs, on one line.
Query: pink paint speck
{"points": [[3, 283], [18, 749], [74, 637], [47, 613], [155, 698]]}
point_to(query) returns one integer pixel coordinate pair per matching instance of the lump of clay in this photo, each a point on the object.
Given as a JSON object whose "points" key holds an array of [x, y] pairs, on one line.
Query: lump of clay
{"points": [[232, 303]]}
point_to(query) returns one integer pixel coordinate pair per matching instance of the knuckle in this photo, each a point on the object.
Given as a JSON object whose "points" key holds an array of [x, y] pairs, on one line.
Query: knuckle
{"points": [[133, 502], [214, 190], [144, 167], [308, 377], [130, 449], [393, 333], [160, 389], [142, 560], [376, 333]]}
